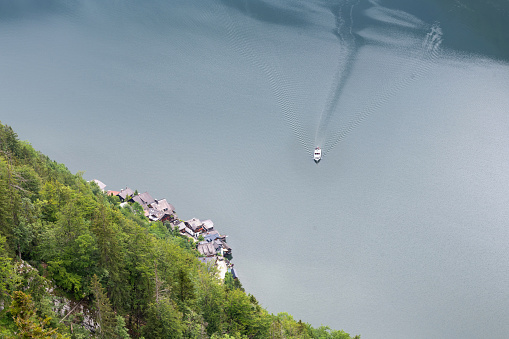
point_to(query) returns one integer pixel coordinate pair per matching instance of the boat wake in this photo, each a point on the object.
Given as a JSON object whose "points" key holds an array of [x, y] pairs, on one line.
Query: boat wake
{"points": [[394, 30], [421, 63], [348, 50]]}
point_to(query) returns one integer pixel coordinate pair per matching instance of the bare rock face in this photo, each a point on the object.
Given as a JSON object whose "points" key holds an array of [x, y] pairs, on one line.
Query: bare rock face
{"points": [[77, 311]]}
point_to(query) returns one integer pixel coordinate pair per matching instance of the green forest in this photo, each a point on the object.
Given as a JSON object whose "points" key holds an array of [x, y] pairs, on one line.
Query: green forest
{"points": [[75, 264]]}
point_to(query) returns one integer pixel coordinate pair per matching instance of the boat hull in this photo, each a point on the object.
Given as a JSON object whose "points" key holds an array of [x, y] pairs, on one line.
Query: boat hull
{"points": [[317, 155]]}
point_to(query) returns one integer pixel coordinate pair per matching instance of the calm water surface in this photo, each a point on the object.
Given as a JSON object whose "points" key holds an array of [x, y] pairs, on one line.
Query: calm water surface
{"points": [[401, 230]]}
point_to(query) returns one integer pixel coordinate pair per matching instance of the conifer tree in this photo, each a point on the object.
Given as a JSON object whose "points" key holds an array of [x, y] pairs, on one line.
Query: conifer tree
{"points": [[105, 317], [8, 206], [6, 271]]}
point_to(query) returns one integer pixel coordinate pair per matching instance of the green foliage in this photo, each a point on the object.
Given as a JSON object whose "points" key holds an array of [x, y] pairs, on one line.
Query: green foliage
{"points": [[194, 325], [244, 317], [9, 141], [7, 325], [70, 282], [228, 336], [140, 278], [284, 326], [79, 332], [121, 331], [7, 272], [210, 298], [29, 325], [31, 282], [326, 333], [25, 231], [185, 243], [113, 200], [230, 283], [104, 315], [163, 320], [30, 182], [158, 230], [137, 208], [9, 204], [185, 287]]}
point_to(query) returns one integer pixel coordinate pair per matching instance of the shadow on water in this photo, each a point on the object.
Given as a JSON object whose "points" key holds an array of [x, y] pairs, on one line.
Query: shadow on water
{"points": [[12, 10], [268, 12], [479, 27], [343, 14]]}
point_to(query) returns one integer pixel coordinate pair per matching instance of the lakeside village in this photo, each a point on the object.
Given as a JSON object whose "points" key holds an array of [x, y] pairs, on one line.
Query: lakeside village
{"points": [[211, 245]]}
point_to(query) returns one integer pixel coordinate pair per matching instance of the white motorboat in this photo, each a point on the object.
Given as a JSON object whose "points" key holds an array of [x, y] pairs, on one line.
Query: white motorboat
{"points": [[317, 156]]}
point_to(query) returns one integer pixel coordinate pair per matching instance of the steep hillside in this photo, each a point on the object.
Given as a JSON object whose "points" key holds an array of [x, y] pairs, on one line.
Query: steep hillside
{"points": [[75, 264]]}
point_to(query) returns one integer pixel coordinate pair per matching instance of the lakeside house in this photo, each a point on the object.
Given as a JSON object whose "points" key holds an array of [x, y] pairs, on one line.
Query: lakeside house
{"points": [[207, 249], [184, 230], [215, 247], [208, 225], [211, 236], [99, 183], [161, 210], [195, 225], [125, 193], [113, 193], [163, 205], [144, 199]]}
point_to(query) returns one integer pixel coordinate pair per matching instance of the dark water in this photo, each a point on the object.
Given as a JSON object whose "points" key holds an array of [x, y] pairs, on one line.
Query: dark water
{"points": [[400, 231], [475, 26]]}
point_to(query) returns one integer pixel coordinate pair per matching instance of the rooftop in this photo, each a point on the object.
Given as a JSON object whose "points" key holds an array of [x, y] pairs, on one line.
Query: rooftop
{"points": [[99, 183], [125, 192]]}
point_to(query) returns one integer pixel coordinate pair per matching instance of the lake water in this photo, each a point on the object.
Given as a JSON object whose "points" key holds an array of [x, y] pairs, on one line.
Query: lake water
{"points": [[400, 231]]}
